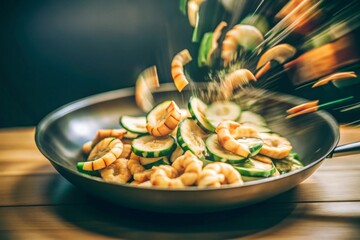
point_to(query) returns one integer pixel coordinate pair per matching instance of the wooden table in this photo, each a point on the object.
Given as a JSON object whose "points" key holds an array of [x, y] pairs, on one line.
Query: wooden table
{"points": [[37, 203]]}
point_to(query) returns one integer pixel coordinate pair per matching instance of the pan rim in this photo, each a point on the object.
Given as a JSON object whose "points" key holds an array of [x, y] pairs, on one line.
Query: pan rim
{"points": [[127, 92]]}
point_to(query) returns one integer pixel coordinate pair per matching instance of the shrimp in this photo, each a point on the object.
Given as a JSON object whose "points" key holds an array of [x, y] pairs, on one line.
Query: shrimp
{"points": [[142, 184], [235, 80], [177, 69], [101, 134], [275, 146], [190, 166], [218, 173], [117, 172], [193, 7], [134, 164], [163, 120], [262, 158], [334, 77], [103, 154], [165, 176], [229, 131], [143, 176], [126, 151], [146, 82], [246, 36]]}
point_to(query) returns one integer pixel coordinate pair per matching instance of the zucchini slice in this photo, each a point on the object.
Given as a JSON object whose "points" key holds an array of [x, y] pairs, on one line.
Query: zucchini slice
{"points": [[259, 128], [251, 117], [191, 137], [197, 110], [150, 162], [176, 153], [150, 147], [205, 46], [135, 125], [288, 164], [254, 144], [218, 153], [221, 111], [253, 168]]}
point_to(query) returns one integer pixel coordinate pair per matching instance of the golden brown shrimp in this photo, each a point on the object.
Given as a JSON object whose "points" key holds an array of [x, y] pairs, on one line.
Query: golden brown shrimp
{"points": [[218, 173], [126, 151], [134, 164], [142, 184], [275, 146], [235, 80], [303, 107], [103, 154], [193, 7], [177, 69], [246, 36], [334, 77], [117, 172], [165, 176], [143, 176], [164, 121], [147, 81], [229, 131], [189, 166], [101, 134], [262, 158]]}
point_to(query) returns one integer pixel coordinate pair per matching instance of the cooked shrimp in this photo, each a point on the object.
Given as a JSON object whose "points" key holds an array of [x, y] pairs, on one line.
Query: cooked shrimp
{"points": [[303, 107], [164, 120], [262, 158], [134, 164], [246, 36], [235, 80], [126, 151], [193, 7], [143, 176], [116, 172], [142, 184], [103, 154], [334, 77], [190, 167], [275, 146], [165, 176], [101, 134], [147, 81], [177, 69], [218, 173], [229, 131], [264, 69]]}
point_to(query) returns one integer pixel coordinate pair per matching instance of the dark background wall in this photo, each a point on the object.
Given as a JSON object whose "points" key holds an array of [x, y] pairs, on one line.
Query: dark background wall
{"points": [[54, 52]]}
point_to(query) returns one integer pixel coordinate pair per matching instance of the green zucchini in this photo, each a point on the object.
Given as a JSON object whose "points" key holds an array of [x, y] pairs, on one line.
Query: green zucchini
{"points": [[135, 125], [253, 168], [288, 164], [218, 153], [151, 162], [205, 46], [220, 111], [197, 110], [191, 137], [151, 147], [251, 117]]}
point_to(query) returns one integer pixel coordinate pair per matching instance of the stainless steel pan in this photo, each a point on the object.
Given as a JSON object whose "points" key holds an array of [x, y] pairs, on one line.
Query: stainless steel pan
{"points": [[60, 135]]}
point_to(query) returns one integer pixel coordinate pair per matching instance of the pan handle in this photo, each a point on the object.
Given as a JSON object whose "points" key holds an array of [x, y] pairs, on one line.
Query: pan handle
{"points": [[346, 149]]}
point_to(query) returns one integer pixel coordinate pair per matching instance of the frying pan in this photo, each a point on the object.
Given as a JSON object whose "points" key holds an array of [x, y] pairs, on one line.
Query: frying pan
{"points": [[60, 135]]}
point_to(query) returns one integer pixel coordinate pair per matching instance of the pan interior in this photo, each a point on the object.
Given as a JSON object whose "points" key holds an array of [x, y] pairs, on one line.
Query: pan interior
{"points": [[61, 134]]}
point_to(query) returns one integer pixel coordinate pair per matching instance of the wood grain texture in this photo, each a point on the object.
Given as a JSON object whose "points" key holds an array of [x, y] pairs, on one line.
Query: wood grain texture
{"points": [[36, 202]]}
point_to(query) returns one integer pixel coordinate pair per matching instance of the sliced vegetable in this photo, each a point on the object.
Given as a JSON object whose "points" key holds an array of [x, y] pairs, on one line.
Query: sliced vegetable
{"points": [[135, 125], [176, 153], [218, 153], [221, 111], [163, 119], [150, 162], [182, 6], [205, 47], [191, 137], [149, 146], [197, 110], [80, 166], [249, 116], [254, 144], [257, 21], [288, 164], [253, 168]]}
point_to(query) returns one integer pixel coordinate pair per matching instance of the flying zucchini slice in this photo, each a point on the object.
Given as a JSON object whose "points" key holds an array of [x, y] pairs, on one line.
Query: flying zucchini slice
{"points": [[163, 119], [151, 147], [191, 137]]}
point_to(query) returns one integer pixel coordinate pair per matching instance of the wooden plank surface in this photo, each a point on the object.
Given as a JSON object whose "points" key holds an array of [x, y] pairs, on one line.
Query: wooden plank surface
{"points": [[36, 202]]}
